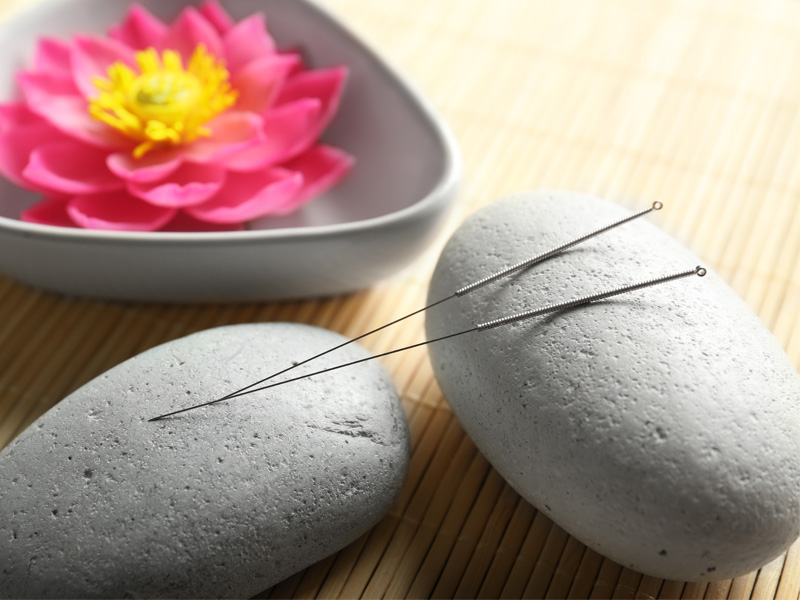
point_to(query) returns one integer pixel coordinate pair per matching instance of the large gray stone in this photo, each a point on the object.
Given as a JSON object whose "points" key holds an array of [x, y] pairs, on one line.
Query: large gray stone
{"points": [[660, 428], [222, 501]]}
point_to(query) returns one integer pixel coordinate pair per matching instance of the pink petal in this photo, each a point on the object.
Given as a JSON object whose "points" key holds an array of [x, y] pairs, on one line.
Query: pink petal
{"points": [[217, 16], [52, 56], [48, 212], [231, 132], [16, 145], [247, 196], [189, 185], [71, 117], [36, 86], [260, 81], [247, 41], [52, 99], [189, 31], [326, 85], [118, 211], [70, 167], [321, 167], [91, 56], [184, 222], [17, 114], [288, 130], [139, 30], [153, 166], [297, 53]]}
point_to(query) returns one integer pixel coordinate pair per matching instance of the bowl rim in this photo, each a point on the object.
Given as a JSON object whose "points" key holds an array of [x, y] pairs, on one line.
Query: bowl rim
{"points": [[446, 183]]}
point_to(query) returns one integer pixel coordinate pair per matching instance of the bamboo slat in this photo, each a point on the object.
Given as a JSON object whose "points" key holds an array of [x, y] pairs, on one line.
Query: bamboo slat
{"points": [[692, 102]]}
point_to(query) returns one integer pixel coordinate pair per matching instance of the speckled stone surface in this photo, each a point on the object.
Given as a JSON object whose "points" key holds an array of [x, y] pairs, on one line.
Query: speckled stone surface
{"points": [[219, 502], [660, 428]]}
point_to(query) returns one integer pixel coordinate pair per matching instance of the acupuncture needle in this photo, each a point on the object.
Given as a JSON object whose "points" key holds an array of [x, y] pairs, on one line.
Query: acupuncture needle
{"points": [[456, 294], [524, 264], [484, 326]]}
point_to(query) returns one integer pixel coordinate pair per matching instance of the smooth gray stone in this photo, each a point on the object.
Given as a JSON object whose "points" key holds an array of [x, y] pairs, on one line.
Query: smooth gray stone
{"points": [[660, 428], [223, 501]]}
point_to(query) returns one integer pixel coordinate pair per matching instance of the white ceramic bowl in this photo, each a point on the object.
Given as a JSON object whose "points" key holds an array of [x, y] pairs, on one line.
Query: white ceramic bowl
{"points": [[373, 223]]}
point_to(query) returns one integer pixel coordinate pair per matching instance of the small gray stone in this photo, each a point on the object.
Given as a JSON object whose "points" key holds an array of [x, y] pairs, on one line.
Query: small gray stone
{"points": [[661, 427], [222, 501]]}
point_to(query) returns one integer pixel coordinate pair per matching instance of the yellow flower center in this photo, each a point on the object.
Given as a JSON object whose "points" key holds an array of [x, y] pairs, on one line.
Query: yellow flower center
{"points": [[163, 105]]}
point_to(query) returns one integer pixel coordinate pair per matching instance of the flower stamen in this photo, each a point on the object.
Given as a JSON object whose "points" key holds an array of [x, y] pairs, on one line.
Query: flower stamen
{"points": [[163, 105]]}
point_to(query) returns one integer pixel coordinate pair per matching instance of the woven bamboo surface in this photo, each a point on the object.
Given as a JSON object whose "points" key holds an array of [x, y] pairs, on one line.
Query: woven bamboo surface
{"points": [[693, 103]]}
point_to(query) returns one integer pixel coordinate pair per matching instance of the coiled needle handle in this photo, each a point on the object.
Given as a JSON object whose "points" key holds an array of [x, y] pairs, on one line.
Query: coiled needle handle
{"points": [[460, 292], [699, 271]]}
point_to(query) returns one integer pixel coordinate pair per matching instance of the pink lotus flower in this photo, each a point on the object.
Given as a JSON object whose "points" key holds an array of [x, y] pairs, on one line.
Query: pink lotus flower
{"points": [[197, 126]]}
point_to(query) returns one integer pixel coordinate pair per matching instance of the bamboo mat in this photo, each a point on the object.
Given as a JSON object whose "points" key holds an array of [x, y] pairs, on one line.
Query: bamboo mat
{"points": [[692, 103]]}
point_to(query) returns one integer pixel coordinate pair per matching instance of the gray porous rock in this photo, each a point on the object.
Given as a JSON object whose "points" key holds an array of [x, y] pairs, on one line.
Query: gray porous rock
{"points": [[660, 427], [223, 501]]}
